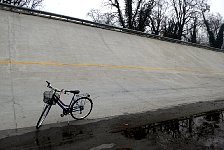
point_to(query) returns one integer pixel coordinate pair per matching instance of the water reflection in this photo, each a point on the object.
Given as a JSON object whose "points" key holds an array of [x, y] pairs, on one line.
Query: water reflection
{"points": [[195, 130], [59, 136]]}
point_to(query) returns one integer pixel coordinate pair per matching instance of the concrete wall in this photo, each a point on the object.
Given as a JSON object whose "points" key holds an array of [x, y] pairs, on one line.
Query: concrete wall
{"points": [[124, 73]]}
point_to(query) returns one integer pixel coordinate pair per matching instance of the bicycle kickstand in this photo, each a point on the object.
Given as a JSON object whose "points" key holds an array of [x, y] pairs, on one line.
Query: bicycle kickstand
{"points": [[68, 119]]}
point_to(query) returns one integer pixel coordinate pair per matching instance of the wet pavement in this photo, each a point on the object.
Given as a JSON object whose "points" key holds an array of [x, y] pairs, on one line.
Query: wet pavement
{"points": [[196, 132], [204, 130]]}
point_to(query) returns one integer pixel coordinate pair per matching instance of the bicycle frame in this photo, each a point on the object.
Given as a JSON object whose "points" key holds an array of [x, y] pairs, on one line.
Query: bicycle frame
{"points": [[64, 107], [75, 108]]}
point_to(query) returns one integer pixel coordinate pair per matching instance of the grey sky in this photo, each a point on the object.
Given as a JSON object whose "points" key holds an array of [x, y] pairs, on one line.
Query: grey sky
{"points": [[73, 8], [79, 8]]}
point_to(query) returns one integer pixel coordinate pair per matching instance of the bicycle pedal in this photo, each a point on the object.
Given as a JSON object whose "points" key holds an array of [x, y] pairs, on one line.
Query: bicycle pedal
{"points": [[62, 115]]}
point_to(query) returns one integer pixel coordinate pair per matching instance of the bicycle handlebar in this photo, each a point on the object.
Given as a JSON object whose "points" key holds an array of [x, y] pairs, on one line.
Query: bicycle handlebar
{"points": [[62, 91], [49, 86]]}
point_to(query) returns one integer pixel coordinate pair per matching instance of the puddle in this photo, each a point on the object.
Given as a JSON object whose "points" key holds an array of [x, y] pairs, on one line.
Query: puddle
{"points": [[60, 136], [103, 146], [199, 131]]}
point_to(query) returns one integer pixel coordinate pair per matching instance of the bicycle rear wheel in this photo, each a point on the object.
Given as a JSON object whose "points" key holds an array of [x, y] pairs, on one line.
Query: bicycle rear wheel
{"points": [[43, 115], [81, 108]]}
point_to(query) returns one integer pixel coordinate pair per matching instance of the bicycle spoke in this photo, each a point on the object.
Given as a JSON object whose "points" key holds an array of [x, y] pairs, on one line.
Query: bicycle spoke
{"points": [[81, 108]]}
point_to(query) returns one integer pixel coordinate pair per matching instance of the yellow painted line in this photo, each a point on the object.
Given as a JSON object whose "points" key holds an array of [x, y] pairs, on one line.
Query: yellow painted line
{"points": [[4, 62], [7, 62]]}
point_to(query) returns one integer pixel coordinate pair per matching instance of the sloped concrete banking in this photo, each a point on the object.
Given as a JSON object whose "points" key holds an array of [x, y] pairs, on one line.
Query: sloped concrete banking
{"points": [[124, 73]]}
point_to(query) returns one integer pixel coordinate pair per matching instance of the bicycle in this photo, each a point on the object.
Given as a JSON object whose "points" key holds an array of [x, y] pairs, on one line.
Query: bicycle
{"points": [[79, 108]]}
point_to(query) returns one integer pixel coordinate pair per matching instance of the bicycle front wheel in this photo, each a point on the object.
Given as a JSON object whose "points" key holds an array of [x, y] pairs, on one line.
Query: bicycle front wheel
{"points": [[81, 108], [43, 115]]}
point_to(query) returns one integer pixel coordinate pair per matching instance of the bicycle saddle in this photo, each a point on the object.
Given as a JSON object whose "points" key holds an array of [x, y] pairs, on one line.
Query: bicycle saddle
{"points": [[73, 91]]}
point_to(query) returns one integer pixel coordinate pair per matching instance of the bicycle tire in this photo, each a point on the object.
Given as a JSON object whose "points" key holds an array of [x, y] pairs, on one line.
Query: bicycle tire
{"points": [[43, 116], [78, 106]]}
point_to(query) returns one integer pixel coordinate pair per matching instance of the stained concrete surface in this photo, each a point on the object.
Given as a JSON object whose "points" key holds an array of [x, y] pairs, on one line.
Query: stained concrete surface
{"points": [[124, 73]]}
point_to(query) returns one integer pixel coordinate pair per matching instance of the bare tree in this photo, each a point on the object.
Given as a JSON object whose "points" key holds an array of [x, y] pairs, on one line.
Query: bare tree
{"points": [[157, 16], [32, 4], [195, 31], [178, 19], [104, 18], [192, 31], [170, 28], [215, 29], [184, 21], [132, 14], [182, 12]]}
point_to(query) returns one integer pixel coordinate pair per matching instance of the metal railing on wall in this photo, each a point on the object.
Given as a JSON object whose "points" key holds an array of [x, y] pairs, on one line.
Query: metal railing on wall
{"points": [[54, 16]]}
